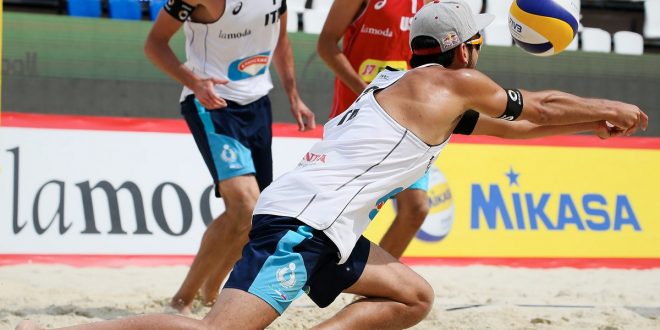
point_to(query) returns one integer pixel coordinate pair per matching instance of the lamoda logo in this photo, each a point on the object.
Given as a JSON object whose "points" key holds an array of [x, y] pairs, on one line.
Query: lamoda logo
{"points": [[49, 212], [511, 207]]}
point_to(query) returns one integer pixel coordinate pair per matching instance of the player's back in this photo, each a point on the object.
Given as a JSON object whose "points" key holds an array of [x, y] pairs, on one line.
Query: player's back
{"points": [[340, 184]]}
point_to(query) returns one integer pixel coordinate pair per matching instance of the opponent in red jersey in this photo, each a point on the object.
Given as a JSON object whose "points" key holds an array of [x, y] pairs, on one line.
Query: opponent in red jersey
{"points": [[374, 35]]}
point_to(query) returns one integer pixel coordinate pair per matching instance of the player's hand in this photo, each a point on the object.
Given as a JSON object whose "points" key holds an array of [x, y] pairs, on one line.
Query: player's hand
{"points": [[303, 116], [205, 93], [629, 118], [605, 130]]}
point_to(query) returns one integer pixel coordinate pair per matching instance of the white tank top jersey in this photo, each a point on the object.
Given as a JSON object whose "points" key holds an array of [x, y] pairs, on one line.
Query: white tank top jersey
{"points": [[238, 47], [365, 158]]}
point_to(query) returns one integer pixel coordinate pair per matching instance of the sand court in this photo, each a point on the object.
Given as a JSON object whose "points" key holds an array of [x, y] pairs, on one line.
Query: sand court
{"points": [[468, 297]]}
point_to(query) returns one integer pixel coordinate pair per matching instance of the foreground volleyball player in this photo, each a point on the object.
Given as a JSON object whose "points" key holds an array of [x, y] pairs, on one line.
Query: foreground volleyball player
{"points": [[307, 225]]}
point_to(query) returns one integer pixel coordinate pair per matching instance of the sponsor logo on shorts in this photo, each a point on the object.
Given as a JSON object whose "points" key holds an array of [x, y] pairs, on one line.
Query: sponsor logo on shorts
{"points": [[249, 67], [282, 273], [229, 155], [279, 294]]}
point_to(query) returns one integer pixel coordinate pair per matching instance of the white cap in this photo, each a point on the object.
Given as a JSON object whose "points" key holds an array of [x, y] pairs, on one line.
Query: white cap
{"points": [[449, 22]]}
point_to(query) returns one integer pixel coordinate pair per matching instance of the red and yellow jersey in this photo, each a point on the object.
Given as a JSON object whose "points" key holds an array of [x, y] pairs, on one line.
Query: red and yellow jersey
{"points": [[376, 39]]}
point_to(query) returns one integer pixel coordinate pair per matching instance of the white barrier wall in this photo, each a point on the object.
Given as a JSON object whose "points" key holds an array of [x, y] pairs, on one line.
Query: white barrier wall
{"points": [[75, 191]]}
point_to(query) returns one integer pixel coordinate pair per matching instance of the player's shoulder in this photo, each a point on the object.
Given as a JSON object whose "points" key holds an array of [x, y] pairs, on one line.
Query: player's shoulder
{"points": [[437, 74], [456, 77]]}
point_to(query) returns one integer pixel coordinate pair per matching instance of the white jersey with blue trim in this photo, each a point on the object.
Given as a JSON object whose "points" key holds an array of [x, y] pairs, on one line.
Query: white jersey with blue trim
{"points": [[238, 47], [365, 158]]}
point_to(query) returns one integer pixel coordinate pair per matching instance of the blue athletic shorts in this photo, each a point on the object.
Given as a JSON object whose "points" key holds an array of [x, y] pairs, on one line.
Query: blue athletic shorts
{"points": [[422, 183], [286, 258], [235, 140]]}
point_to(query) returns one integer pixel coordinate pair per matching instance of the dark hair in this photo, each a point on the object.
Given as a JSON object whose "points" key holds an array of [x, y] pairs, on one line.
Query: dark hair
{"points": [[425, 42]]}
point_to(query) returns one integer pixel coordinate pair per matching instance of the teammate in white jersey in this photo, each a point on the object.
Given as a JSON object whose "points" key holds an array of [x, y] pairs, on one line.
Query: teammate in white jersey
{"points": [[307, 227], [229, 47]]}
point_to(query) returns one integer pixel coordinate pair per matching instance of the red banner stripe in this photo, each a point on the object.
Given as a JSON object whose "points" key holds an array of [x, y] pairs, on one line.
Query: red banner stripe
{"points": [[117, 260], [159, 125]]}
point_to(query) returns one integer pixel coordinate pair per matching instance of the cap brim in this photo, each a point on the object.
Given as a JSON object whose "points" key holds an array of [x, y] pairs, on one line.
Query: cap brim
{"points": [[483, 20]]}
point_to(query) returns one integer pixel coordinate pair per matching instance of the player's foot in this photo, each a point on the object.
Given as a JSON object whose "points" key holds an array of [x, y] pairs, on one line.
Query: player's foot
{"points": [[181, 305], [28, 325]]}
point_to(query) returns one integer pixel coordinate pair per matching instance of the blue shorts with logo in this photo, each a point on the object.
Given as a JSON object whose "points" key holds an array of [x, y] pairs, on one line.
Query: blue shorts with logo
{"points": [[286, 258], [235, 140]]}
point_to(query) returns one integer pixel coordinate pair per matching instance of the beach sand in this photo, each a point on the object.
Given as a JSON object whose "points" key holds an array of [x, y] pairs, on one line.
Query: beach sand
{"points": [[470, 297]]}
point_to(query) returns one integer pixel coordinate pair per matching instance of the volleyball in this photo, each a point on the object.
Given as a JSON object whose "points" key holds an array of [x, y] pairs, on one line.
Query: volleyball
{"points": [[543, 27]]}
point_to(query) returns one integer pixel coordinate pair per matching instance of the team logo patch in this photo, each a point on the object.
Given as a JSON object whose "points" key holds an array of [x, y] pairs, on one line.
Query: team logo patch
{"points": [[249, 67], [450, 40], [282, 273], [229, 156]]}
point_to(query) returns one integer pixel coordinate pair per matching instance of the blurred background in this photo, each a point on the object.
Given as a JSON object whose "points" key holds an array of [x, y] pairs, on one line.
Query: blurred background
{"points": [[85, 57]]}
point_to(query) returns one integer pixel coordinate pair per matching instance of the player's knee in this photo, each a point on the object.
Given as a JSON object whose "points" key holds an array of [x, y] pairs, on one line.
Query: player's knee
{"points": [[422, 302], [241, 206]]}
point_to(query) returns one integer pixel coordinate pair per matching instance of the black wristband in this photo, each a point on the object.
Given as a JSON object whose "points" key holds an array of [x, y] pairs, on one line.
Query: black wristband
{"points": [[178, 9], [514, 105]]}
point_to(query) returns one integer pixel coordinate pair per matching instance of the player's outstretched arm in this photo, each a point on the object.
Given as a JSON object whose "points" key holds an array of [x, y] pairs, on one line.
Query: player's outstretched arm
{"points": [[543, 108], [523, 129], [158, 51], [285, 67], [341, 15]]}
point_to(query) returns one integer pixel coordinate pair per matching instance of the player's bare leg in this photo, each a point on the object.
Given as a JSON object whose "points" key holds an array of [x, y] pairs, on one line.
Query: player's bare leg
{"points": [[28, 325], [395, 296], [235, 309], [412, 208], [221, 244]]}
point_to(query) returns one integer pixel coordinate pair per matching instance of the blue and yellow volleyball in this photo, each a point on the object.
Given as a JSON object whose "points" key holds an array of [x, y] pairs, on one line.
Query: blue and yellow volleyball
{"points": [[543, 27]]}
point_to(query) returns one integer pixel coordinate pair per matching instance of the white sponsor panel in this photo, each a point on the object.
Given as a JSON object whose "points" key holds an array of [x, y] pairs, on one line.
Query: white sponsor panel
{"points": [[109, 192]]}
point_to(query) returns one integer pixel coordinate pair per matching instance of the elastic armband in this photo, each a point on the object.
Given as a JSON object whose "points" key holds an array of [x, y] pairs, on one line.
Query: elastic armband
{"points": [[178, 9], [514, 105]]}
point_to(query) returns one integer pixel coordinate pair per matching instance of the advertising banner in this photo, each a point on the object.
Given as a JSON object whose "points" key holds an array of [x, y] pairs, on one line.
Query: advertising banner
{"points": [[570, 200], [87, 185], [74, 185]]}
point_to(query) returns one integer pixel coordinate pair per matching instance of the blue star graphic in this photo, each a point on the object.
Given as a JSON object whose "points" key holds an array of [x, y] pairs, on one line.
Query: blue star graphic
{"points": [[513, 177]]}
